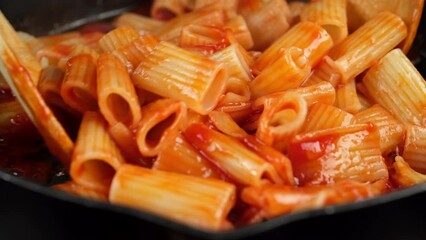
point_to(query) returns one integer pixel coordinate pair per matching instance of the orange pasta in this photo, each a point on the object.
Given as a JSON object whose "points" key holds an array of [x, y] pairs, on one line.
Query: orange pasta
{"points": [[118, 101], [319, 118], [206, 39], [166, 9], [228, 6], [224, 123], [140, 23], [95, 157], [329, 14], [365, 46], [210, 200], [404, 175], [209, 16], [194, 79], [117, 38], [281, 120], [182, 158], [79, 86], [288, 71], [134, 52], [395, 83], [49, 86], [240, 31], [240, 163], [274, 200], [267, 20], [160, 124], [391, 131], [336, 154], [415, 147], [308, 36]]}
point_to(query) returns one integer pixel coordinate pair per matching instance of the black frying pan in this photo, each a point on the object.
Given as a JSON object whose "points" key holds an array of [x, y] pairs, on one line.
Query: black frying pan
{"points": [[29, 210]]}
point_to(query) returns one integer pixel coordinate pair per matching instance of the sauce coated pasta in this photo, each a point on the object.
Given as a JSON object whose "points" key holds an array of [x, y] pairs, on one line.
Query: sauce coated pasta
{"points": [[270, 106]]}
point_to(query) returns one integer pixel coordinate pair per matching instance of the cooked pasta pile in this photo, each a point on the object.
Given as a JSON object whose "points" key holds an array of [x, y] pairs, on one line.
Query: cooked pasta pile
{"points": [[219, 114]]}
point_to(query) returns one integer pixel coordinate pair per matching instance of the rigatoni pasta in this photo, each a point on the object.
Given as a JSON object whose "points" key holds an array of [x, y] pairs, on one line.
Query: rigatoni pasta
{"points": [[308, 36], [319, 114], [267, 20], [118, 101], [181, 157], [241, 164], [357, 52], [79, 87], [391, 131], [288, 71], [141, 23], [332, 155], [209, 200], [396, 85], [191, 78], [95, 158], [160, 124], [329, 14], [415, 147]]}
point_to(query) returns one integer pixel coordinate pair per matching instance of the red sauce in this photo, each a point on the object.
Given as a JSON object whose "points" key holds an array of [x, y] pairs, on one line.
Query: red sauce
{"points": [[20, 151], [164, 14], [303, 153], [100, 27], [6, 95]]}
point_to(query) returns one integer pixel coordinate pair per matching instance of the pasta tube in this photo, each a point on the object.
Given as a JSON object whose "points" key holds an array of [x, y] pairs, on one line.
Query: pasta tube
{"points": [[280, 162], [209, 16], [118, 101], [228, 154], [141, 23], [347, 98], [77, 50], [329, 14], [415, 148], [96, 158], [229, 6], [281, 120], [310, 37], [182, 158], [288, 71], [206, 39], [275, 200], [160, 124], [391, 131], [240, 31], [134, 52], [319, 118], [49, 86], [167, 9], [366, 45], [333, 155], [194, 79], [235, 61], [79, 86], [117, 38], [267, 20], [404, 175], [204, 203], [396, 85]]}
